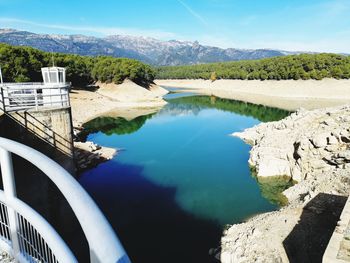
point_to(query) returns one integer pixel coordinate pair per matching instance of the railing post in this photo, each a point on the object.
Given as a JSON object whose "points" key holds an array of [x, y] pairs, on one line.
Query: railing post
{"points": [[61, 97], [10, 193], [3, 99], [54, 139], [68, 97], [25, 120], [36, 98], [51, 103]]}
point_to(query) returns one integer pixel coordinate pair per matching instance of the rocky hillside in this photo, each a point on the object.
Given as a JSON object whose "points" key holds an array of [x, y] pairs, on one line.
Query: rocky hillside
{"points": [[148, 50], [300, 144], [312, 148]]}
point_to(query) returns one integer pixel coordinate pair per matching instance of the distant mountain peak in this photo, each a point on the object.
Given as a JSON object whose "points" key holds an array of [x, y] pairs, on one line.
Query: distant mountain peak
{"points": [[146, 49], [7, 30]]}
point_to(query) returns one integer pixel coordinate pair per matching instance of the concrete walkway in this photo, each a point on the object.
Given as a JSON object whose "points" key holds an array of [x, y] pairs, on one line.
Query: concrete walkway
{"points": [[338, 249]]}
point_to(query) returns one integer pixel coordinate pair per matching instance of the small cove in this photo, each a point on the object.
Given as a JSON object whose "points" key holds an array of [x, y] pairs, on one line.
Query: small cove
{"points": [[180, 177]]}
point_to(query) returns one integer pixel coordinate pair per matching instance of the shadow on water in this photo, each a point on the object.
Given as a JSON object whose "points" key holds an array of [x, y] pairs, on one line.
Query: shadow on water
{"points": [[309, 238], [151, 226], [147, 217]]}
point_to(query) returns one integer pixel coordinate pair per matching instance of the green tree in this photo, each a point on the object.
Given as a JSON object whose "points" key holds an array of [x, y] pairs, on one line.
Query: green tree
{"points": [[23, 64], [304, 66]]}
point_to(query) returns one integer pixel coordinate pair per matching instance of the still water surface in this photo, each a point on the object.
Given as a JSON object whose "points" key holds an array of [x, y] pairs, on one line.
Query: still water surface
{"points": [[180, 177]]}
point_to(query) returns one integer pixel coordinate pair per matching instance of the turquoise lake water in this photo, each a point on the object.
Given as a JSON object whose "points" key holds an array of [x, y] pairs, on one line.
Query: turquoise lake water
{"points": [[180, 178]]}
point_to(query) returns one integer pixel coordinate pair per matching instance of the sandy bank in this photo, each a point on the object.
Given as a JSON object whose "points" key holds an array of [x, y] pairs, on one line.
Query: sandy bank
{"points": [[124, 100], [127, 100], [313, 148], [130, 92], [284, 94]]}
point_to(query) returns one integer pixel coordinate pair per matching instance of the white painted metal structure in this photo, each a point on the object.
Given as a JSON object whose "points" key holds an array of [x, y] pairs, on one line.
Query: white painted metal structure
{"points": [[1, 80], [28, 237], [53, 92], [53, 75]]}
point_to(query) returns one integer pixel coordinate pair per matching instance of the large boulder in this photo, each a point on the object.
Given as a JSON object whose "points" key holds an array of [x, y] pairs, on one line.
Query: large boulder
{"points": [[274, 167]]}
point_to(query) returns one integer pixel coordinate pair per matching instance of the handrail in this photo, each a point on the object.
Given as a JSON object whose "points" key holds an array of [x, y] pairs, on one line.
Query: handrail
{"points": [[53, 240], [32, 127], [103, 243], [21, 83], [40, 85], [26, 113], [47, 134], [23, 96]]}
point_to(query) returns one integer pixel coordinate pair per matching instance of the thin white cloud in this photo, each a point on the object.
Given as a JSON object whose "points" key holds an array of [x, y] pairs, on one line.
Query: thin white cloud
{"points": [[193, 13], [155, 33]]}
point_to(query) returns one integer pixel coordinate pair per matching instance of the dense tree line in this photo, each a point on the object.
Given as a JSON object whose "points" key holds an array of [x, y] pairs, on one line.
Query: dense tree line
{"points": [[23, 64], [304, 66], [109, 69], [20, 64]]}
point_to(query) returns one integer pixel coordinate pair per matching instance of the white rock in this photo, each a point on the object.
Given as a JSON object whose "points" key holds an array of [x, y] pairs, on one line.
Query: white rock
{"points": [[345, 155], [297, 174], [274, 167], [332, 140], [320, 140]]}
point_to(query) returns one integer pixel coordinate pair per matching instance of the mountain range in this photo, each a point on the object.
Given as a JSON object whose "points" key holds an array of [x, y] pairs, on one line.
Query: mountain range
{"points": [[145, 49]]}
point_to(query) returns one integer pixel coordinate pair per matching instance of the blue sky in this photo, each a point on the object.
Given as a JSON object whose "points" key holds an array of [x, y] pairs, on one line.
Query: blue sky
{"points": [[310, 25]]}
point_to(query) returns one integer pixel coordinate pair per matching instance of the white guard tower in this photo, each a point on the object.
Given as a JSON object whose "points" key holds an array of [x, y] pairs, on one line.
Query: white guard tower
{"points": [[52, 93], [54, 83], [53, 75]]}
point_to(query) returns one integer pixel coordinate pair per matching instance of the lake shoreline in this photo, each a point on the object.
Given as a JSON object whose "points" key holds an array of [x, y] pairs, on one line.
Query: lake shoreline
{"points": [[127, 100], [248, 240], [284, 94], [311, 147], [111, 97]]}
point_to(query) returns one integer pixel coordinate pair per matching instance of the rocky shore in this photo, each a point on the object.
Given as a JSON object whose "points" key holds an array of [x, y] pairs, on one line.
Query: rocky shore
{"points": [[89, 155], [313, 149]]}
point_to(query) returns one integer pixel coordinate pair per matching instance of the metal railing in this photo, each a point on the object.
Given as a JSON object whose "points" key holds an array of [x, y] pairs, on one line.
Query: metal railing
{"points": [[39, 129], [42, 131], [24, 96], [28, 237]]}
